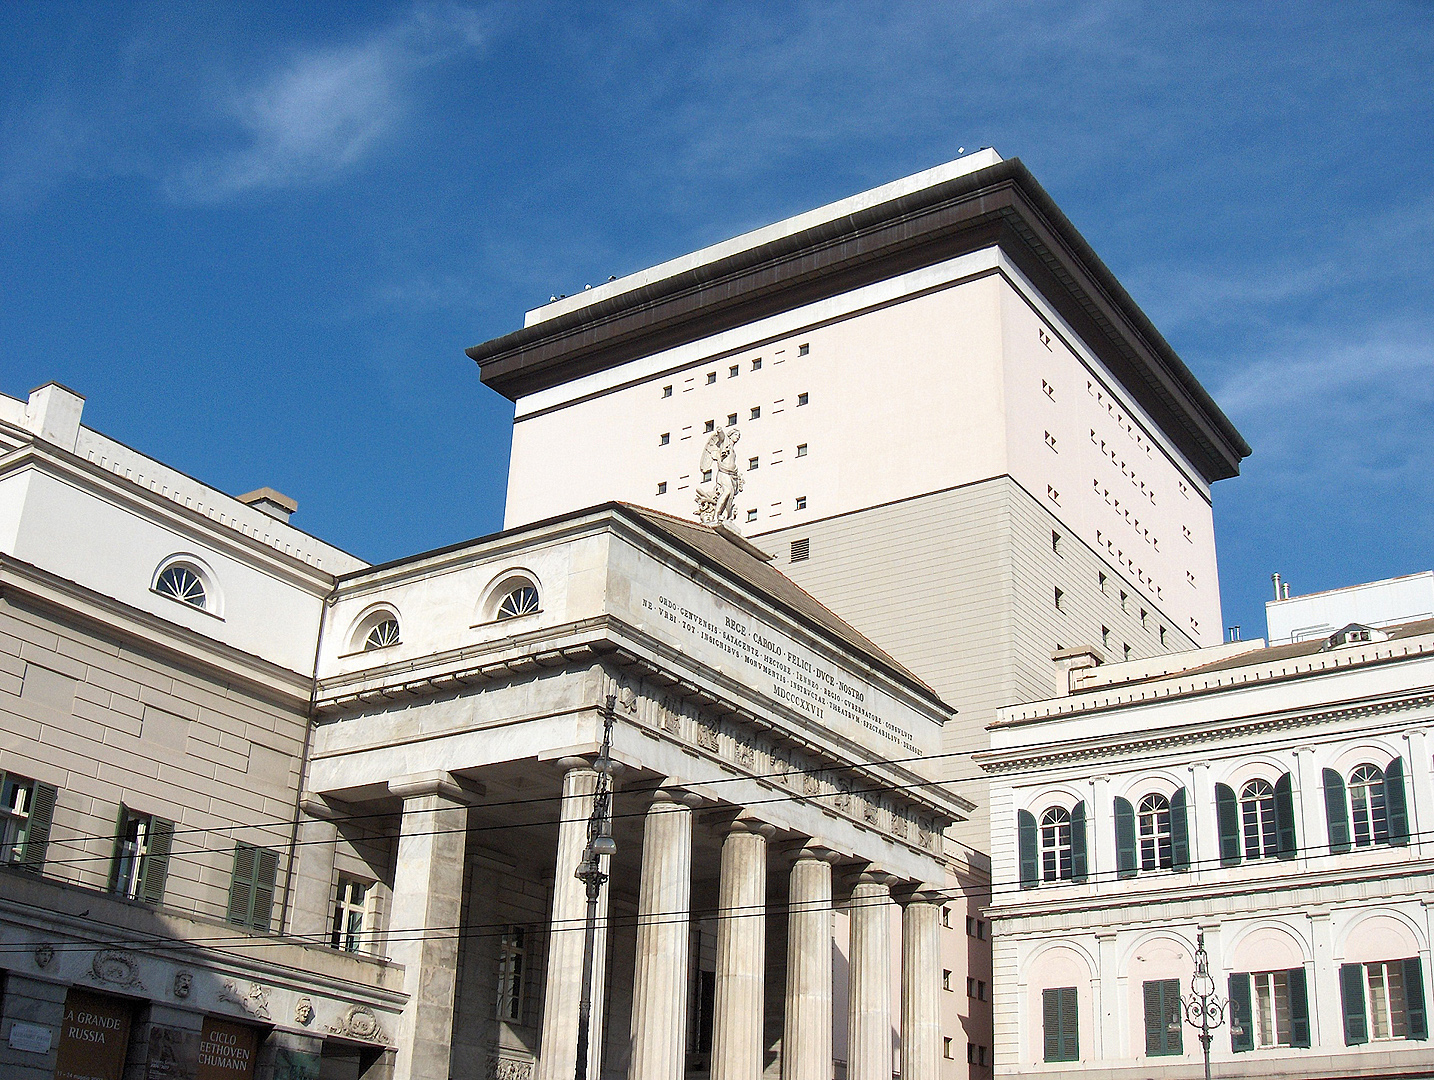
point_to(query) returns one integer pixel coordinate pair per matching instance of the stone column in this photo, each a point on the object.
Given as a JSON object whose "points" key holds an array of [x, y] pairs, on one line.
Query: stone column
{"points": [[312, 905], [739, 1010], [563, 991], [868, 1044], [807, 1036], [423, 934], [659, 1004], [921, 988]]}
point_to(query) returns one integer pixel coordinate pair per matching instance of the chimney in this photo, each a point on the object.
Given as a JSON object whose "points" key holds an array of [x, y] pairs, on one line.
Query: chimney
{"points": [[276, 504], [1071, 665], [1276, 579], [53, 413], [1285, 594]]}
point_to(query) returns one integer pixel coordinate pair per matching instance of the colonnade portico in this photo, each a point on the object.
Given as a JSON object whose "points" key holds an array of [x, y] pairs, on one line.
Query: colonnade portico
{"points": [[660, 1016]]}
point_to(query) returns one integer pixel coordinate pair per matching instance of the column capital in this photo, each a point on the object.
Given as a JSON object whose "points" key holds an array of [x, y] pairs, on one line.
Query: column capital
{"points": [[678, 796], [919, 892], [809, 847], [445, 784]]}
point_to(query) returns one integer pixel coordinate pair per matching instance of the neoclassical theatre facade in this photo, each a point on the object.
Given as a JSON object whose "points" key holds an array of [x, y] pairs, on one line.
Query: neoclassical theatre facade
{"points": [[770, 768]]}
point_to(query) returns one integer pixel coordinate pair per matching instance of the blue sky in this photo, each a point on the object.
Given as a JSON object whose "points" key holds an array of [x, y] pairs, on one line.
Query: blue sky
{"points": [[258, 238]]}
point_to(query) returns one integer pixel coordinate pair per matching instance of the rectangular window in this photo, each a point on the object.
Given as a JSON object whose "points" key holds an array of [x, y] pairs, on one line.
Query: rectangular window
{"points": [[757, 364], [756, 413], [1102, 579], [667, 391], [662, 487], [1388, 1007], [731, 419], [1272, 1008], [1127, 651], [945, 1047], [707, 476], [26, 807], [1162, 635], [751, 464], [751, 515], [801, 550], [711, 425], [1124, 602], [141, 859], [802, 399], [801, 449], [711, 377], [1051, 441], [802, 350], [1055, 542], [1144, 615], [350, 915], [1105, 635], [734, 371], [946, 917], [1164, 1018], [512, 964], [945, 980], [664, 438], [251, 886], [1058, 1010], [1060, 597], [801, 502]]}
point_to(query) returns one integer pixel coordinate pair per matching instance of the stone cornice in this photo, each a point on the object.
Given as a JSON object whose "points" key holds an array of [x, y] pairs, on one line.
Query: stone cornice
{"points": [[1002, 204], [31, 586], [1145, 742]]}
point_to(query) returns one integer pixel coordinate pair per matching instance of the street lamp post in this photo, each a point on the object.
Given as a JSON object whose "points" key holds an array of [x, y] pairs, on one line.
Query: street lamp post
{"points": [[589, 872], [1202, 1008]]}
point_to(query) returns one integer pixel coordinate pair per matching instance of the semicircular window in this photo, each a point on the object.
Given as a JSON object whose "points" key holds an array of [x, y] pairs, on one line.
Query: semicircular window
{"points": [[521, 601], [183, 584], [382, 635]]}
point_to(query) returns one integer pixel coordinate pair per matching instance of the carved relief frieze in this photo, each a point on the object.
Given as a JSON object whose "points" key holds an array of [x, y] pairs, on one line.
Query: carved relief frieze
{"points": [[704, 734], [926, 835], [870, 811], [254, 1000], [842, 801], [811, 783], [670, 716], [502, 1067], [898, 823]]}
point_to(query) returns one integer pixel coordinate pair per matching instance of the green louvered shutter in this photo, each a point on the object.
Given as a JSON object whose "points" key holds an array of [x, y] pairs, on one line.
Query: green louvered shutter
{"points": [[1163, 1018], [1124, 839], [156, 860], [1227, 814], [1285, 817], [37, 830], [1058, 1009], [1351, 997], [241, 884], [1026, 844], [1179, 832], [1336, 812], [1299, 1007], [1051, 1020], [1080, 865], [1242, 1020], [265, 872], [1414, 999], [1394, 802]]}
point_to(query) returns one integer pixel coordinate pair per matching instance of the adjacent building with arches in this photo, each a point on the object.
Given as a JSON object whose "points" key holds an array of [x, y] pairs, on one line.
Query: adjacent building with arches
{"points": [[1277, 801]]}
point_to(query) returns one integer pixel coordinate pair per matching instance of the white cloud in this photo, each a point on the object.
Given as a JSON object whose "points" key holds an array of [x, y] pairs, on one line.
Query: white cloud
{"points": [[324, 111]]}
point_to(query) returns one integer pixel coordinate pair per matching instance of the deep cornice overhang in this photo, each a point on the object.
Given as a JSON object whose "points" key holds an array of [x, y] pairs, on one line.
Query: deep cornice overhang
{"points": [[1000, 205]]}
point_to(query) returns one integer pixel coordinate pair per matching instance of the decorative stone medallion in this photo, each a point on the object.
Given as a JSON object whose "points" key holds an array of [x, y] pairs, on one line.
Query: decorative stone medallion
{"points": [[112, 967], [43, 955], [358, 1022], [303, 1012], [183, 984]]}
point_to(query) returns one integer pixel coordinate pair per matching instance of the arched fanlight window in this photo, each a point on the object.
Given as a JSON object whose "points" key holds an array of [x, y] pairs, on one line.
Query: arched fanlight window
{"points": [[521, 601], [381, 635], [1367, 806], [1056, 844], [182, 582], [1153, 818], [1257, 819]]}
